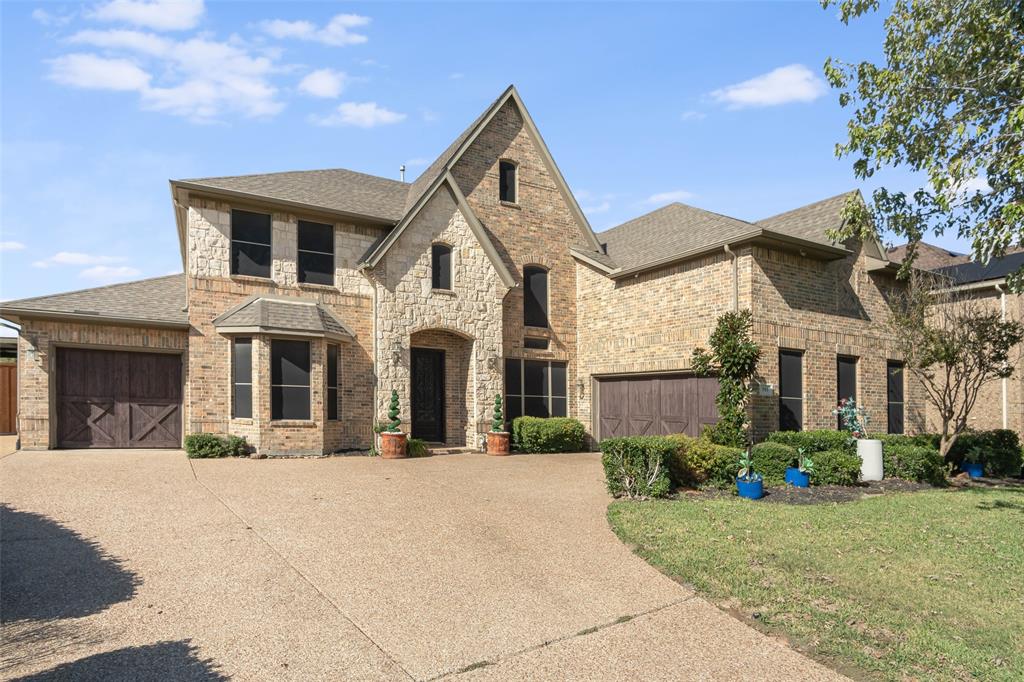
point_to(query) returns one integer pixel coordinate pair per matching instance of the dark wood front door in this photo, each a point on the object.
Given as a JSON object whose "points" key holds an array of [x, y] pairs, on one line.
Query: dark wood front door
{"points": [[427, 394], [118, 399], [656, 405]]}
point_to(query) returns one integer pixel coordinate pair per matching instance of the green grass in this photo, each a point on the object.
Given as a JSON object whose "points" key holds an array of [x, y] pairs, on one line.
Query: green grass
{"points": [[925, 585]]}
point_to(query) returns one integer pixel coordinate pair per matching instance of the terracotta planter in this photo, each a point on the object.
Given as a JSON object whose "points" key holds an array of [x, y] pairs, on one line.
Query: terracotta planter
{"points": [[393, 445], [498, 442]]}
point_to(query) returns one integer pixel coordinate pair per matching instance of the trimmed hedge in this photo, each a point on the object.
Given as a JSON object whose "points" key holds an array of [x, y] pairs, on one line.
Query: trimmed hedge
{"points": [[209, 445], [637, 466], [771, 461], [835, 467], [920, 440], [697, 462], [914, 463], [554, 434], [814, 441], [999, 451]]}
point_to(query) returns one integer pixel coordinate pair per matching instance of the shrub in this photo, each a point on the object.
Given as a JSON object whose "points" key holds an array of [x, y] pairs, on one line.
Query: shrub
{"points": [[416, 447], [637, 466], [771, 461], [999, 448], [554, 434], [697, 462], [914, 463], [835, 467], [207, 445], [814, 441]]}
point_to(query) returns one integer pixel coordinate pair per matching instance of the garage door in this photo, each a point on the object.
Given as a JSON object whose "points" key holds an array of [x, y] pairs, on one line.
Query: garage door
{"points": [[656, 405], [117, 399]]}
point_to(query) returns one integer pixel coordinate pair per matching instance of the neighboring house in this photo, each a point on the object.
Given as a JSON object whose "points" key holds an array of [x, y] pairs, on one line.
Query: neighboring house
{"points": [[309, 296]]}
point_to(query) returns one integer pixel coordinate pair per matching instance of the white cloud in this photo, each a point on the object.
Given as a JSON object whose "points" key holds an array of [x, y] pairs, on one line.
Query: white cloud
{"points": [[49, 19], [418, 161], [792, 83], [337, 32], [323, 83], [92, 72], [359, 114], [76, 258], [602, 207], [110, 273], [975, 184], [11, 246], [133, 41], [692, 115], [162, 15], [668, 197]]}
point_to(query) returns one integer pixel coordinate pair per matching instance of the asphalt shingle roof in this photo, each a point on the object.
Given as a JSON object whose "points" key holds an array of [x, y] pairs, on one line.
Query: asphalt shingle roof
{"points": [[811, 221], [927, 256], [997, 268], [283, 314], [157, 300]]}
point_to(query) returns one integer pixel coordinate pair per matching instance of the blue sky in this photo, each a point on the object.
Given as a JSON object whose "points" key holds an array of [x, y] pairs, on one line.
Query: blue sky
{"points": [[720, 105]]}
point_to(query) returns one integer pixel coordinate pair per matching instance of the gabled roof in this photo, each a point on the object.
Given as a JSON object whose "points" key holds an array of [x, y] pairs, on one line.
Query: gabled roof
{"points": [[812, 221], [996, 269], [157, 302], [281, 314], [927, 256]]}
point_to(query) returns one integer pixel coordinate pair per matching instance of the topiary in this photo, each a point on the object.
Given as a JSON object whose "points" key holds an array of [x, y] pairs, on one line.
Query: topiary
{"points": [[393, 413], [733, 360], [498, 421]]}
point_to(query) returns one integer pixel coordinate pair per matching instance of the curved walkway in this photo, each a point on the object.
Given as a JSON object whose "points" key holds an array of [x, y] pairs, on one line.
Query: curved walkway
{"points": [[344, 568]]}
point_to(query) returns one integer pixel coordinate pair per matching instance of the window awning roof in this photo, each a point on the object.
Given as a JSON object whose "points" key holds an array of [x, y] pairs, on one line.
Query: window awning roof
{"points": [[281, 315]]}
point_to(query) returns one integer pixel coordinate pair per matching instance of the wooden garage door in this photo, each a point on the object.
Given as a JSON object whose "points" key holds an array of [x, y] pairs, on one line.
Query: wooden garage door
{"points": [[656, 405], [117, 399]]}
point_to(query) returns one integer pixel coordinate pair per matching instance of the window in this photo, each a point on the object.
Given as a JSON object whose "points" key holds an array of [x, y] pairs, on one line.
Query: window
{"points": [[289, 379], [241, 379], [332, 382], [316, 253], [894, 393], [535, 388], [846, 382], [507, 181], [791, 390], [532, 342], [535, 296], [441, 266], [250, 243]]}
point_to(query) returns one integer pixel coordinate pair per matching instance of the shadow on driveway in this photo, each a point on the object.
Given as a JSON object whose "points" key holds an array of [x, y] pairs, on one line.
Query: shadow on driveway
{"points": [[171, 661]]}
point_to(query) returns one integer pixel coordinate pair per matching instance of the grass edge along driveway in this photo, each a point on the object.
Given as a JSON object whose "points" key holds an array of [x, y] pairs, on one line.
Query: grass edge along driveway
{"points": [[925, 585]]}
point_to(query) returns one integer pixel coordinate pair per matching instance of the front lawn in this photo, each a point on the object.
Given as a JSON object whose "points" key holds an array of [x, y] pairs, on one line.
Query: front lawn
{"points": [[926, 585]]}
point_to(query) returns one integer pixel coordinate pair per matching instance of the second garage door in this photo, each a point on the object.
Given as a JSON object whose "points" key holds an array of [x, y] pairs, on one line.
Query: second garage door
{"points": [[656, 405], [118, 399]]}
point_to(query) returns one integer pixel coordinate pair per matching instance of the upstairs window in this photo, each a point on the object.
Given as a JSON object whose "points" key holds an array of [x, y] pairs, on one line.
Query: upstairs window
{"points": [[289, 379], [507, 181], [250, 243], [441, 266], [332, 382], [535, 296], [316, 253]]}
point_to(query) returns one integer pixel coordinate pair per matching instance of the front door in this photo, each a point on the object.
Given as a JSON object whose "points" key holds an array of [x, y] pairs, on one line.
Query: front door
{"points": [[427, 394]]}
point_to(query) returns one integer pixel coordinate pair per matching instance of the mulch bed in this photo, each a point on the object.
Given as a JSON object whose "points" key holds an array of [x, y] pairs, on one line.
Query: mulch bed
{"points": [[817, 494]]}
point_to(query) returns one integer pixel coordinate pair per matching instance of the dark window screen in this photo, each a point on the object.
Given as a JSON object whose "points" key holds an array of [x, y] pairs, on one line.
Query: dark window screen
{"points": [[332, 382], [894, 393], [316, 253], [250, 243], [846, 381], [441, 266], [241, 368], [791, 391], [507, 181], [535, 388], [535, 297], [289, 379]]}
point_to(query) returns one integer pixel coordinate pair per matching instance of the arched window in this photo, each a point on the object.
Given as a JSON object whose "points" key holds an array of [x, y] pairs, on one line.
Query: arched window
{"points": [[507, 181], [441, 266], [535, 296]]}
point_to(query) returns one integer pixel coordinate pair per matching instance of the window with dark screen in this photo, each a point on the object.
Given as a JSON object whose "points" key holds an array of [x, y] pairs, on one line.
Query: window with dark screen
{"points": [[316, 253], [535, 388], [250, 243], [507, 181], [332, 381], [441, 266], [289, 379], [846, 382], [894, 395], [535, 296], [241, 378], [791, 390]]}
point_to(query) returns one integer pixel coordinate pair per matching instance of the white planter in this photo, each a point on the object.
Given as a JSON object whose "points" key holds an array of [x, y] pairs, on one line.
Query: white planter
{"points": [[870, 453]]}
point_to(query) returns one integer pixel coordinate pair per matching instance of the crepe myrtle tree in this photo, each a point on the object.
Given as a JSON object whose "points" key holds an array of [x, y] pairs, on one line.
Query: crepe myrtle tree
{"points": [[733, 360], [947, 102], [955, 343]]}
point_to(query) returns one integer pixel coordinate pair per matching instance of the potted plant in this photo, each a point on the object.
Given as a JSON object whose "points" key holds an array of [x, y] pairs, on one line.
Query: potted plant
{"points": [[855, 420], [972, 463], [392, 440], [800, 475], [497, 437], [749, 484]]}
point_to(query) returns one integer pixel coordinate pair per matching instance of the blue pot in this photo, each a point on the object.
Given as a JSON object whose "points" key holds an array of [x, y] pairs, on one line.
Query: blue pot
{"points": [[752, 489], [973, 469], [797, 478]]}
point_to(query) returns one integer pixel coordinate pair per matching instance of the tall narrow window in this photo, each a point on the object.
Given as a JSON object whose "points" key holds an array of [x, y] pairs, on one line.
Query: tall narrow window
{"points": [[289, 379], [791, 390], [332, 382], [846, 382], [535, 388], [241, 378], [316, 253], [441, 266], [507, 181], [894, 394], [535, 297], [250, 243]]}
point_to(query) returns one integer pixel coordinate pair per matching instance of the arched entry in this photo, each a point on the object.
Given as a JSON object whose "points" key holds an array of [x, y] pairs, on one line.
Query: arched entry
{"points": [[439, 392]]}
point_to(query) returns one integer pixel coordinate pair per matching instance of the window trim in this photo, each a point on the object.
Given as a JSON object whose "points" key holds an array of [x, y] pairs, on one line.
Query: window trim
{"points": [[451, 266], [234, 382], [515, 183], [333, 254], [337, 382], [309, 387], [522, 395], [232, 240], [547, 295]]}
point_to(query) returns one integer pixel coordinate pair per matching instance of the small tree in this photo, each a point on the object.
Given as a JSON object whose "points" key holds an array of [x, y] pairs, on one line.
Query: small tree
{"points": [[733, 358], [393, 413], [498, 421], [954, 343]]}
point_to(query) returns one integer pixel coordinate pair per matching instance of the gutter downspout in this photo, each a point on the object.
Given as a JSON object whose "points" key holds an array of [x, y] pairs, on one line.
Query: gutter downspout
{"points": [[735, 279], [1002, 318]]}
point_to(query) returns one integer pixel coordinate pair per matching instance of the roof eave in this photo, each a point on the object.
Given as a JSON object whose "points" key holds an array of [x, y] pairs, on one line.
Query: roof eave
{"points": [[31, 314], [280, 331], [585, 257]]}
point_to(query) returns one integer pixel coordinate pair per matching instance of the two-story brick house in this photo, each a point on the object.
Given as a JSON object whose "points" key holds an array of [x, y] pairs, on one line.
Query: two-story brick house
{"points": [[309, 296]]}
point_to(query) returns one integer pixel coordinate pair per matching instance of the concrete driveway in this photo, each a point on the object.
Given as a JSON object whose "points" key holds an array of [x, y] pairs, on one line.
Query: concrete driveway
{"points": [[119, 562]]}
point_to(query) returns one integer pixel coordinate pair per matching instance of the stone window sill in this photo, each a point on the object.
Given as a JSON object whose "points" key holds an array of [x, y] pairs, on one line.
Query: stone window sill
{"points": [[243, 421], [539, 332], [290, 423], [511, 204], [442, 292], [253, 278], [317, 287]]}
